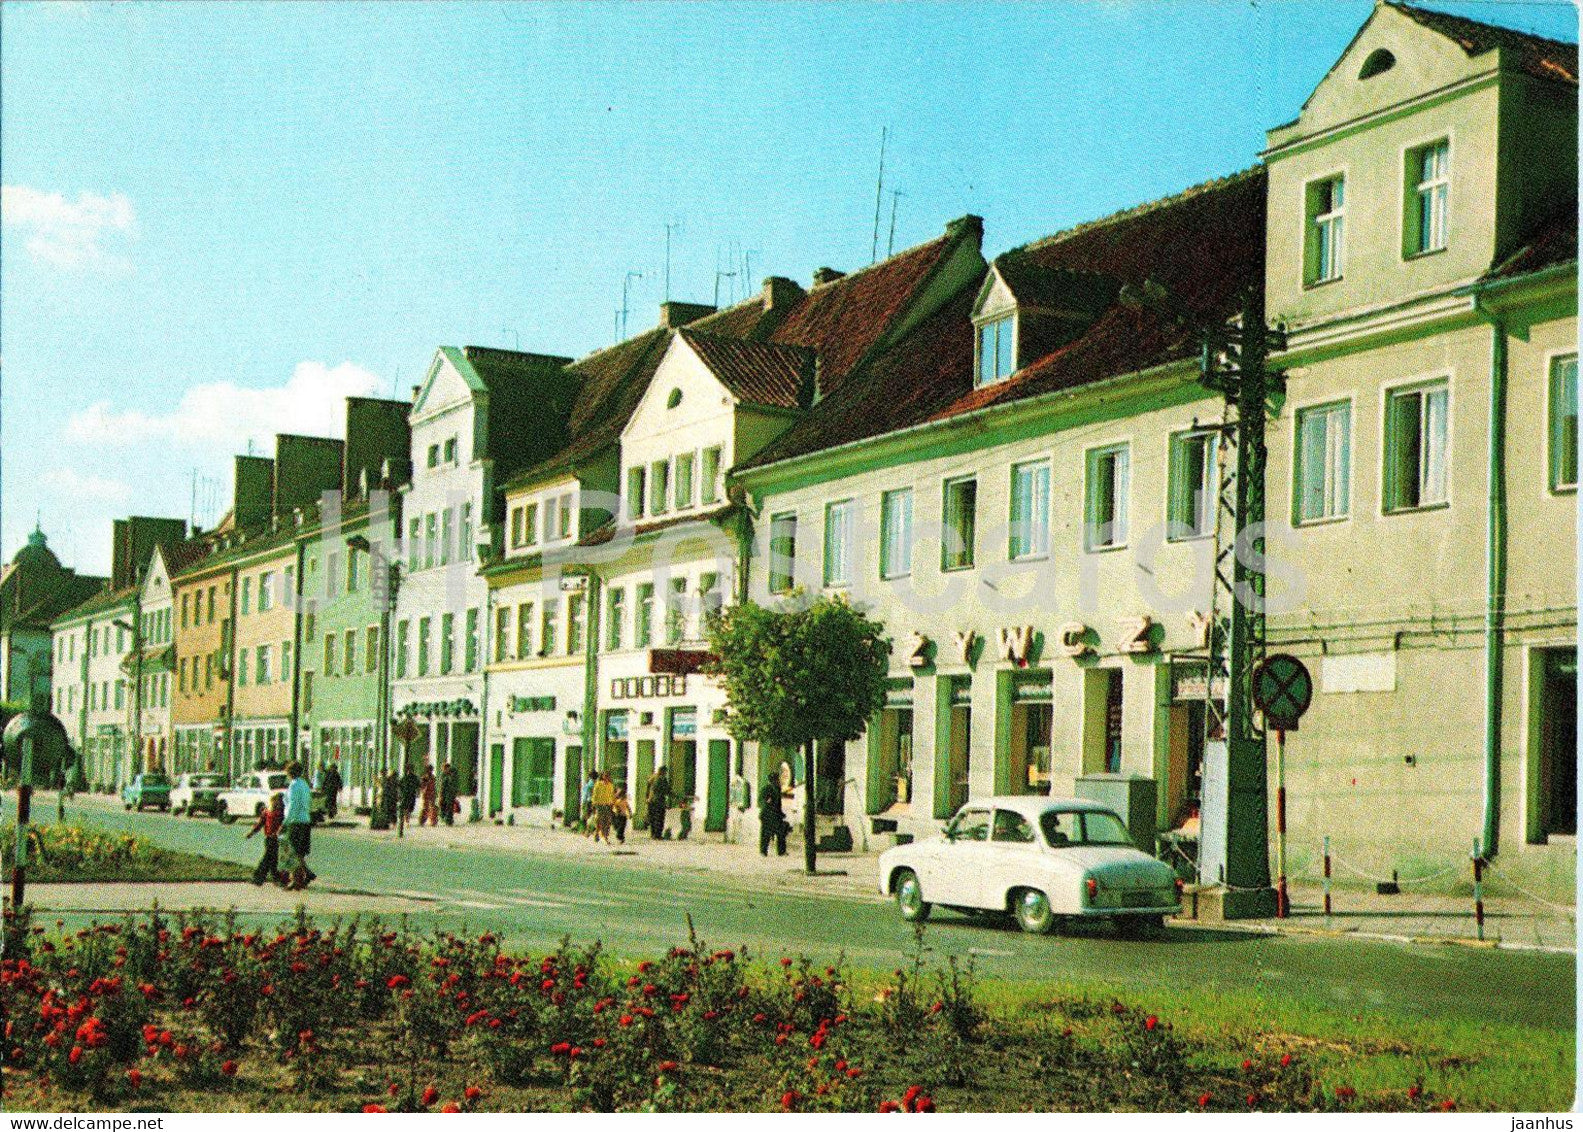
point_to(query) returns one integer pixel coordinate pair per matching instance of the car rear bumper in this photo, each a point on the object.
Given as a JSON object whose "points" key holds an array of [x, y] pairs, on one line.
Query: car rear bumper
{"points": [[1170, 909]]}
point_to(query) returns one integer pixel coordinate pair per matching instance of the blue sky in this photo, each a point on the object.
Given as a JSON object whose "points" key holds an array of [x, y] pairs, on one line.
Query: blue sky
{"points": [[220, 220]]}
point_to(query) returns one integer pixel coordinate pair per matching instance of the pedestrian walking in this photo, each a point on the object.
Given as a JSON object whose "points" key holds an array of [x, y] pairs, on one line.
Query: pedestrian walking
{"points": [[410, 785], [621, 813], [448, 805], [659, 800], [428, 791], [332, 789], [604, 799], [299, 827], [586, 809], [270, 822], [772, 818]]}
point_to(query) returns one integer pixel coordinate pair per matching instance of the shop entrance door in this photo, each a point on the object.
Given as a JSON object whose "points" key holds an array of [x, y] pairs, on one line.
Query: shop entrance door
{"points": [[497, 776], [719, 785]]}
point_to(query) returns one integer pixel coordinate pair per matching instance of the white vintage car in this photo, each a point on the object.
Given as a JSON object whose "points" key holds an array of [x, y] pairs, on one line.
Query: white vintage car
{"points": [[1039, 858], [251, 792]]}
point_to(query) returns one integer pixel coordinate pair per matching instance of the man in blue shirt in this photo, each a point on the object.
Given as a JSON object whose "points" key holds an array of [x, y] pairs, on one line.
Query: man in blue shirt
{"points": [[299, 825]]}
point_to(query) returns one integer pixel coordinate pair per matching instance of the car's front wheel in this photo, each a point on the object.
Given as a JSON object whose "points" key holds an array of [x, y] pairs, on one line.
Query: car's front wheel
{"points": [[909, 897], [1033, 911]]}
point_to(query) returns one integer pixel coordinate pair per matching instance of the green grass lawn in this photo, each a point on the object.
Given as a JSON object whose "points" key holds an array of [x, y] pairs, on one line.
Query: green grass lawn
{"points": [[81, 853]]}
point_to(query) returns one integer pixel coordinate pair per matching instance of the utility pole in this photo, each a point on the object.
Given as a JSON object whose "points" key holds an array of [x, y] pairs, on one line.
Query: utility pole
{"points": [[1234, 853]]}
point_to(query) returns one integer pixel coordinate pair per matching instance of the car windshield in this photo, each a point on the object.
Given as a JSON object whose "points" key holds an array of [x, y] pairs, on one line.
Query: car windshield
{"points": [[1083, 827], [208, 780], [277, 782]]}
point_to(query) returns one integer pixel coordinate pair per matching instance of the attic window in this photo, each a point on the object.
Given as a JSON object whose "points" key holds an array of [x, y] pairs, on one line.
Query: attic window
{"points": [[674, 399], [1377, 63]]}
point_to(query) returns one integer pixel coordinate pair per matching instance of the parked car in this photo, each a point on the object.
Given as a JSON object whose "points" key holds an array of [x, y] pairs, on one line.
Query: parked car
{"points": [[250, 794], [1040, 859], [196, 794], [150, 788]]}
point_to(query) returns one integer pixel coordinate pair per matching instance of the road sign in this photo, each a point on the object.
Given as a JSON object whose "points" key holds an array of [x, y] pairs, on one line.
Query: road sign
{"points": [[1282, 690]]}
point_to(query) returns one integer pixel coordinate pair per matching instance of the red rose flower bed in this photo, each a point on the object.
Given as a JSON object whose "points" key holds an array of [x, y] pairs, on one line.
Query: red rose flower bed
{"points": [[195, 1013]]}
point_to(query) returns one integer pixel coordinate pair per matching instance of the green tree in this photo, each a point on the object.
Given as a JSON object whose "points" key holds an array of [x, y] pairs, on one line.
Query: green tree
{"points": [[799, 675]]}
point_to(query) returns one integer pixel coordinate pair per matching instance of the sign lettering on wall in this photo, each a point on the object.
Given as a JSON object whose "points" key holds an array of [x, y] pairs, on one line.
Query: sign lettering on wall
{"points": [[647, 687], [1198, 624], [1137, 634], [532, 703], [964, 645], [1016, 643], [1074, 639], [918, 650]]}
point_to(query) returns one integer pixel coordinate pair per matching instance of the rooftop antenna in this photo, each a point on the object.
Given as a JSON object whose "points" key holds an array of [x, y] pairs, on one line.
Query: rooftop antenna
{"points": [[626, 293], [879, 193], [890, 245], [719, 275], [616, 333], [672, 226], [747, 271]]}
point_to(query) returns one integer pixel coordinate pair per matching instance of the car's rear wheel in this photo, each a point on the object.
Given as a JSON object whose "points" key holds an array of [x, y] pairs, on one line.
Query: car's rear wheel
{"points": [[909, 897], [1033, 911]]}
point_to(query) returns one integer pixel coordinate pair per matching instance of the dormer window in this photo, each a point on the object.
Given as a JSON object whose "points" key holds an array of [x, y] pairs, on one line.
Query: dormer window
{"points": [[1377, 63], [996, 349]]}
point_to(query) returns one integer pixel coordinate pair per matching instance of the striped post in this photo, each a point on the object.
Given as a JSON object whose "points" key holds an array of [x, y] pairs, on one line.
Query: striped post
{"points": [[1478, 889], [1283, 906], [1327, 874]]}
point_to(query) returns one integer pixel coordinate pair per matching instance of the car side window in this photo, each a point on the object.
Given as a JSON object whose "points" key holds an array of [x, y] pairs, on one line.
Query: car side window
{"points": [[971, 825], [1012, 826], [1059, 829]]}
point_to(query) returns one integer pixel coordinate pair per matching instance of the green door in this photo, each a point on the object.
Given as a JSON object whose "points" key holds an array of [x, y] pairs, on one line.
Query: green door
{"points": [[640, 785], [497, 776], [719, 786], [572, 782]]}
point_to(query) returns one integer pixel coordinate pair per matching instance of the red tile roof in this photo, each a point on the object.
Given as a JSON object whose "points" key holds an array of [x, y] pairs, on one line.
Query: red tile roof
{"points": [[1533, 54], [758, 373], [1205, 246]]}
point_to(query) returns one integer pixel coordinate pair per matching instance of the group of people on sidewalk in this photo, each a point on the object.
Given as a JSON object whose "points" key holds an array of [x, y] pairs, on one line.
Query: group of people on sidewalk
{"points": [[606, 808], [290, 813]]}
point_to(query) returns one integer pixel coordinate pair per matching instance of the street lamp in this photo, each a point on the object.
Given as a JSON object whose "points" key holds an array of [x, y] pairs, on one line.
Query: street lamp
{"points": [[385, 581], [136, 741]]}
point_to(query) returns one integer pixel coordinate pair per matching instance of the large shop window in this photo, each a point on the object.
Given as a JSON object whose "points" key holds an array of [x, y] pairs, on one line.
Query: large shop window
{"points": [[1557, 722], [890, 781]]}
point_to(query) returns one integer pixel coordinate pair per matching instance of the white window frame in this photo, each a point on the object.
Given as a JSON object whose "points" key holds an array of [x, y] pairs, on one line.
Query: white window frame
{"points": [[1038, 517], [895, 549], [1208, 500], [790, 574], [1324, 227], [1416, 386], [1343, 486], [1121, 486], [1415, 242], [996, 323], [839, 515], [970, 543]]}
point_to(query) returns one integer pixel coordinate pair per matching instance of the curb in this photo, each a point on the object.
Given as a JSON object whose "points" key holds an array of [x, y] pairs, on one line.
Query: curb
{"points": [[1379, 937]]}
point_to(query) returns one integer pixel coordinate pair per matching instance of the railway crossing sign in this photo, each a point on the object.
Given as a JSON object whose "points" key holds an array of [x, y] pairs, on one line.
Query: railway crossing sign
{"points": [[1282, 690]]}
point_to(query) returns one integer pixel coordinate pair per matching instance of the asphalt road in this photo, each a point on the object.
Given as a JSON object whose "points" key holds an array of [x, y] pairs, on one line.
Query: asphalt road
{"points": [[637, 909]]}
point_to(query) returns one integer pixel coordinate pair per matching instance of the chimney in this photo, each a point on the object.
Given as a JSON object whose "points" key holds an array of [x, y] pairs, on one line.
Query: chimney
{"points": [[823, 275], [780, 292], [969, 225], [674, 313]]}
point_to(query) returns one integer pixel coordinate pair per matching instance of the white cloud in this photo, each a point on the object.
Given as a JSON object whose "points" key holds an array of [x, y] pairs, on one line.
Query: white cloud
{"points": [[69, 233], [85, 488], [222, 415]]}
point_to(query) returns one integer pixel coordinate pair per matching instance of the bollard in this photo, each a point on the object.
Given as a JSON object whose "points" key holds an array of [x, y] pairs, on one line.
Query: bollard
{"points": [[1327, 874], [1478, 889]]}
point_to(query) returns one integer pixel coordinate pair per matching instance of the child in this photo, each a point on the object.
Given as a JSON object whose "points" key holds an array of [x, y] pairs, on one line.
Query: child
{"points": [[270, 821], [621, 812]]}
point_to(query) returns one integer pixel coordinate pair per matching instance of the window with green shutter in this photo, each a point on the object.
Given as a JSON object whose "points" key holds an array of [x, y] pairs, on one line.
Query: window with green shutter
{"points": [[709, 475], [1323, 463], [684, 481], [783, 552], [1030, 510], [838, 543]]}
